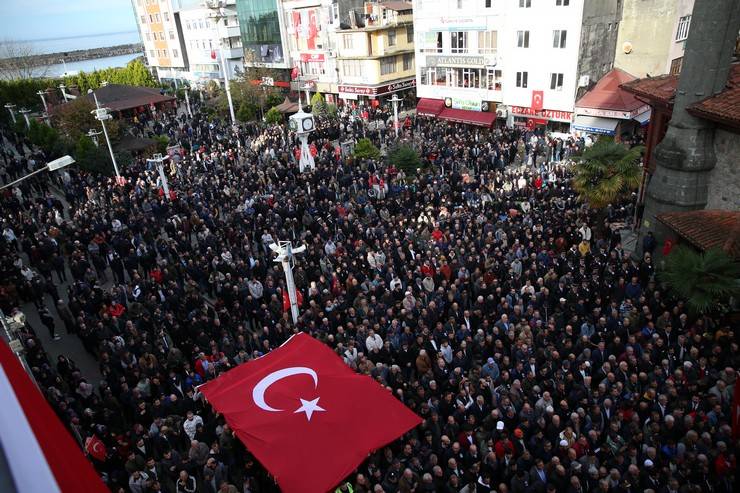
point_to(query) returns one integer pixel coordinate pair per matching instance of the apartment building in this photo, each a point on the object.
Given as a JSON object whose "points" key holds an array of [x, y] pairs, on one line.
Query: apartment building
{"points": [[375, 55], [263, 33], [652, 36], [162, 37], [525, 61], [206, 38]]}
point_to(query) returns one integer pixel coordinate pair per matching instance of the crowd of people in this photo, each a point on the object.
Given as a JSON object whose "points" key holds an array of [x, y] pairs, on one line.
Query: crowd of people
{"points": [[477, 289]]}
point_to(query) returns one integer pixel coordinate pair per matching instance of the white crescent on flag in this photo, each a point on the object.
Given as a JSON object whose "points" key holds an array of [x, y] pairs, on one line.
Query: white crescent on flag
{"points": [[307, 407]]}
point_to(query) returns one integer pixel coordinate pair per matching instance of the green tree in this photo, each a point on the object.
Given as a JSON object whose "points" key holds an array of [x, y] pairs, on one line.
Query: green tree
{"points": [[332, 111], [75, 118], [318, 104], [45, 137], [364, 149], [247, 112], [607, 172], [274, 116], [706, 281], [162, 143], [92, 158], [406, 158]]}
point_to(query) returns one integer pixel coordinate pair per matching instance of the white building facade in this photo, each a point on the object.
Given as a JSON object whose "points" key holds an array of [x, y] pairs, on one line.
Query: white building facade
{"points": [[204, 39], [159, 32], [516, 58]]}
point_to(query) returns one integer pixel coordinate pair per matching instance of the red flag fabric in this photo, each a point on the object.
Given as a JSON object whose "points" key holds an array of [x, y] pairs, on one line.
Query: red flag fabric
{"points": [[44, 456], [96, 448], [305, 415], [736, 411], [537, 100], [286, 299]]}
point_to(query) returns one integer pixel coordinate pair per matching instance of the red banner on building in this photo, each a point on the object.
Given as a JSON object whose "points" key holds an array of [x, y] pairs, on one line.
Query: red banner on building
{"points": [[537, 100]]}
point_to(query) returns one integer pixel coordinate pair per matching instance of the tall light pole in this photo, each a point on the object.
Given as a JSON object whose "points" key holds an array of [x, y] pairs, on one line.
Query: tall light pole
{"points": [[50, 166], [62, 87], [43, 100], [94, 136], [64, 62], [218, 13], [158, 160], [10, 107], [187, 101], [101, 114], [25, 112], [286, 256], [395, 100]]}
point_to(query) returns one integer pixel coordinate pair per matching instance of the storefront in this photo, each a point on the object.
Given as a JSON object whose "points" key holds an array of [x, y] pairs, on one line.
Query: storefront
{"points": [[365, 94], [550, 120], [607, 109]]}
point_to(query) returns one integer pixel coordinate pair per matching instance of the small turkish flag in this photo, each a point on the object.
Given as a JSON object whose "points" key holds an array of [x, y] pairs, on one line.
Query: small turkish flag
{"points": [[286, 299], [537, 100], [96, 448], [305, 415]]}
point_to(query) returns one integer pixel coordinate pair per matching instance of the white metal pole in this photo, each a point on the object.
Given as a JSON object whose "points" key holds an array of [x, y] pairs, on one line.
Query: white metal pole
{"points": [[395, 115], [187, 103], [291, 289], [12, 113], [163, 177], [226, 84], [25, 113], [107, 139], [43, 100]]}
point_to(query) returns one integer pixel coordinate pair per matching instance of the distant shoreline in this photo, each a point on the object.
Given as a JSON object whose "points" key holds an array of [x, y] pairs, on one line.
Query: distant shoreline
{"points": [[46, 59]]}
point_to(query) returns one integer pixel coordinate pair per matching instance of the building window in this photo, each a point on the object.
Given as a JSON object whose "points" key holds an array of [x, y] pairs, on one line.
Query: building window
{"points": [[151, 53], [166, 16], [408, 61], [493, 80], [187, 25], [143, 19], [432, 42], [147, 36], [175, 54], [351, 68], [459, 42], [556, 82], [172, 34], [487, 4], [459, 4], [165, 53], [156, 16], [522, 39], [562, 3], [487, 41], [347, 41], [410, 33], [391, 37], [676, 66], [521, 79], [387, 65], [683, 28], [525, 4], [558, 38]]}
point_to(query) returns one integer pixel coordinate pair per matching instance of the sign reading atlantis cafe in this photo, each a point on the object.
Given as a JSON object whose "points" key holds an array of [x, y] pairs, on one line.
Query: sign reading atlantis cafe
{"points": [[378, 90]]}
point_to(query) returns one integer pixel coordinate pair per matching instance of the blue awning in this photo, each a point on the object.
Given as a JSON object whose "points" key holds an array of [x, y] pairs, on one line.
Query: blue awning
{"points": [[644, 117], [595, 125]]}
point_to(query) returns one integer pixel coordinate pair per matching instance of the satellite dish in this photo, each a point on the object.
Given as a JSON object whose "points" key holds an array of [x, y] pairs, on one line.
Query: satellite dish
{"points": [[627, 47]]}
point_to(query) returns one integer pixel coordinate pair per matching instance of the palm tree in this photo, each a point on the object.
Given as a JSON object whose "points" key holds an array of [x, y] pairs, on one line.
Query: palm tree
{"points": [[706, 280], [606, 172]]}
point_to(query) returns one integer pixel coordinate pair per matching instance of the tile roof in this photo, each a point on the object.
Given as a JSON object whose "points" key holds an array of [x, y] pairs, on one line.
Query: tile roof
{"points": [[397, 6], [723, 107], [707, 229], [118, 97], [607, 94], [655, 89]]}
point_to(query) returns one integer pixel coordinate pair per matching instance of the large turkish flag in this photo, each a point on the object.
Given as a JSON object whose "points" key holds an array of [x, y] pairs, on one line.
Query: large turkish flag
{"points": [[305, 415]]}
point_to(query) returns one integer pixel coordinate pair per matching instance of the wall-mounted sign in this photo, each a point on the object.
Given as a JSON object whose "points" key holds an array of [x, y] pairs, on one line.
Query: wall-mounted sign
{"points": [[470, 104], [378, 90], [312, 57], [455, 61], [555, 115], [462, 24], [621, 115]]}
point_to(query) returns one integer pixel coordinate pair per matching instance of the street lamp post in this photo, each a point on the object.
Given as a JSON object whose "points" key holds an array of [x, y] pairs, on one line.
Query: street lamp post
{"points": [[25, 112], [286, 256], [217, 8], [54, 165], [64, 62], [62, 87], [395, 100], [187, 102], [43, 100], [10, 107], [94, 136], [158, 160], [101, 114]]}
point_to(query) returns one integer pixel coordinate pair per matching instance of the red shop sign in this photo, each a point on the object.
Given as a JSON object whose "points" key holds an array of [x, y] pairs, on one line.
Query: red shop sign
{"points": [[312, 57]]}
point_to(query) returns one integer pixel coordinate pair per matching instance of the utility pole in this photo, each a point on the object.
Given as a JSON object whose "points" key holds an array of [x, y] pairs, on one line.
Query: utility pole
{"points": [[101, 114], [395, 100], [158, 159], [25, 112], [286, 255], [11, 107]]}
